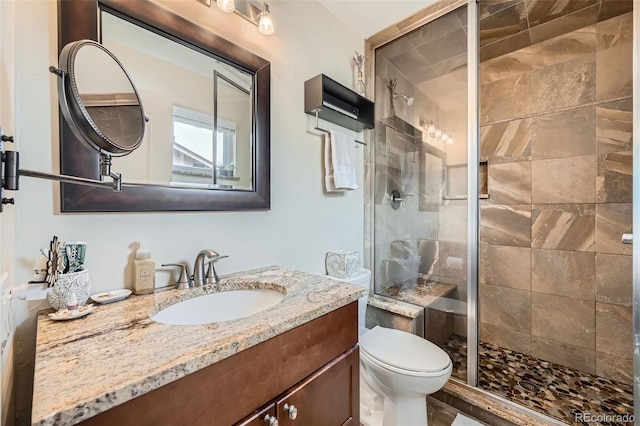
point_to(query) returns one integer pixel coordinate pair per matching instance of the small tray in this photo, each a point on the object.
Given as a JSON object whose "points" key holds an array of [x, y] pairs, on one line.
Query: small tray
{"points": [[111, 296], [65, 314]]}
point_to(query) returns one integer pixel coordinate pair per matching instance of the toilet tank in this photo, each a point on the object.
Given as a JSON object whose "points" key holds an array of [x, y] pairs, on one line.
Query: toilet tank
{"points": [[363, 279]]}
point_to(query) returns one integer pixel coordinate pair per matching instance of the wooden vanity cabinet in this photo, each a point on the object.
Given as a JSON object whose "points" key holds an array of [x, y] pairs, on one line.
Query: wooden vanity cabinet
{"points": [[314, 367], [329, 397]]}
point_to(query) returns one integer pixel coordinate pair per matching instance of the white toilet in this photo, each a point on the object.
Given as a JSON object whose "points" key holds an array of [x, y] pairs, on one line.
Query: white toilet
{"points": [[397, 371]]}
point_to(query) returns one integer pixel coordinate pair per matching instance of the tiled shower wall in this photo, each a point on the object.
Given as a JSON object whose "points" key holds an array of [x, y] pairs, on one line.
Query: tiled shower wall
{"points": [[555, 280]]}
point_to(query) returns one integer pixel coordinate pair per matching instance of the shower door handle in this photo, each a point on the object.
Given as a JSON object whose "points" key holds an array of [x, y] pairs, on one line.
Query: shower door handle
{"points": [[627, 238]]}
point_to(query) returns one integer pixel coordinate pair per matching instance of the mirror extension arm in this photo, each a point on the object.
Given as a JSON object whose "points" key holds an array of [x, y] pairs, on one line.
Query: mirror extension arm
{"points": [[11, 172]]}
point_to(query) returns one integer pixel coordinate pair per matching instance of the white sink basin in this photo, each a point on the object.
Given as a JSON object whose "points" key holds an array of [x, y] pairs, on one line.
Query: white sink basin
{"points": [[218, 307]]}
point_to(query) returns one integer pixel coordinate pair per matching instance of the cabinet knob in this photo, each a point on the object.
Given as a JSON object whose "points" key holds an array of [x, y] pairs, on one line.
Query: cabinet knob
{"points": [[292, 410], [271, 420]]}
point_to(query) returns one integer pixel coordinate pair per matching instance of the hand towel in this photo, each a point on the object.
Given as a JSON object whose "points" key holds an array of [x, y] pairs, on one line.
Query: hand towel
{"points": [[343, 160], [329, 184]]}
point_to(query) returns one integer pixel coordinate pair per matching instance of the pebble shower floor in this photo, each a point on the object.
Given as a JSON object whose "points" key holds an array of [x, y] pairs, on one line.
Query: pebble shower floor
{"points": [[557, 391]]}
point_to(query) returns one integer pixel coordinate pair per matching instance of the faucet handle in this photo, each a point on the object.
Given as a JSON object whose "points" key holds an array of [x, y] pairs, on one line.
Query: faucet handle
{"points": [[184, 281], [212, 276]]}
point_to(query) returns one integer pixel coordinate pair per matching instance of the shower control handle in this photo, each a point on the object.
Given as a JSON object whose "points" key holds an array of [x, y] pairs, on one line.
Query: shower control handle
{"points": [[627, 238]]}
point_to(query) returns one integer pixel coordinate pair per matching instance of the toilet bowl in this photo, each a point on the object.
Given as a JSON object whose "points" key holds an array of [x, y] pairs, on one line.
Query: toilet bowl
{"points": [[397, 371]]}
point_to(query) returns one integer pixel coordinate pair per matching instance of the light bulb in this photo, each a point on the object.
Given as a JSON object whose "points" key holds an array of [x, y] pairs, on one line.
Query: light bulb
{"points": [[449, 140], [431, 128], [438, 133], [444, 136], [265, 24], [226, 5]]}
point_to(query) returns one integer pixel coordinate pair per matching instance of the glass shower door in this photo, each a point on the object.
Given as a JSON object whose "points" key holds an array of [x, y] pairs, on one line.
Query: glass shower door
{"points": [[425, 226]]}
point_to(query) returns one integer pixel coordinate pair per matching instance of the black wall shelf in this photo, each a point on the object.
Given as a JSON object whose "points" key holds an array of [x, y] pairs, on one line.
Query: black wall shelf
{"points": [[336, 103]]}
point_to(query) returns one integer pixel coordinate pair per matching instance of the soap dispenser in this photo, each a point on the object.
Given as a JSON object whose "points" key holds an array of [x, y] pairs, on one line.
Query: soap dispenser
{"points": [[144, 271]]}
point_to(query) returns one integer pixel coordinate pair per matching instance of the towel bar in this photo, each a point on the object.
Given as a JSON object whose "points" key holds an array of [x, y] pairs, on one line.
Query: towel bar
{"points": [[327, 131]]}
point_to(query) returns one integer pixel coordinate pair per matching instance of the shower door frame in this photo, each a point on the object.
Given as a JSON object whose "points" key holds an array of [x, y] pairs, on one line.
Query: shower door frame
{"points": [[425, 16], [636, 210]]}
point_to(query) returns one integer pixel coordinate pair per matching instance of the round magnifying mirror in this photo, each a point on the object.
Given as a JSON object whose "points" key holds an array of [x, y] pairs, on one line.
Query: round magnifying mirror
{"points": [[98, 99]]}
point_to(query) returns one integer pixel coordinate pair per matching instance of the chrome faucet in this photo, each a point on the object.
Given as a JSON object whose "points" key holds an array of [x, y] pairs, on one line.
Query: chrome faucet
{"points": [[199, 276]]}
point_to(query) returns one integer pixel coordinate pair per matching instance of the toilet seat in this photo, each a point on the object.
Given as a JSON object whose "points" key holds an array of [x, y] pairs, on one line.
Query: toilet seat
{"points": [[403, 352]]}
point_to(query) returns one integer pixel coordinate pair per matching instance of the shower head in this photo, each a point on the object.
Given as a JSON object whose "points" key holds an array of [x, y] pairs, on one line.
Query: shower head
{"points": [[407, 99]]}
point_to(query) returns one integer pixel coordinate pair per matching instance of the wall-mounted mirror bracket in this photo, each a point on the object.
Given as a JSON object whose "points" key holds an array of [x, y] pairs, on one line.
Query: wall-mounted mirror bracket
{"points": [[10, 173]]}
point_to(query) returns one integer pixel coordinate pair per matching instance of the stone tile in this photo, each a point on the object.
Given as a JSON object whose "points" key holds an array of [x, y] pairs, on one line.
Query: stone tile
{"points": [[510, 183], [453, 223], [564, 180], [614, 368], [563, 319], [505, 266], [491, 7], [506, 225], [507, 98], [563, 85], [444, 48], [613, 220], [615, 31], [429, 252], [434, 30], [614, 279], [541, 11], [396, 47], [505, 66], [506, 45], [563, 48], [505, 338], [574, 21], [615, 72], [563, 273], [611, 8], [504, 23], [505, 307], [564, 134], [507, 141], [564, 227], [452, 261], [564, 354], [614, 126], [614, 182], [614, 330], [409, 61]]}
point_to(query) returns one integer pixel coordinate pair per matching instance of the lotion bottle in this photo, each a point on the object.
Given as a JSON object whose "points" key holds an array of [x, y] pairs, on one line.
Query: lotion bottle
{"points": [[144, 271]]}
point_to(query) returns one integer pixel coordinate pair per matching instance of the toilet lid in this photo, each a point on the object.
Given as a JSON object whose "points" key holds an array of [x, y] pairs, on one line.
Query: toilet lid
{"points": [[404, 350]]}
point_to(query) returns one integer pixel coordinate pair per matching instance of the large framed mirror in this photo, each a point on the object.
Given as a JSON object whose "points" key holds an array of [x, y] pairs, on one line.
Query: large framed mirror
{"points": [[207, 101]]}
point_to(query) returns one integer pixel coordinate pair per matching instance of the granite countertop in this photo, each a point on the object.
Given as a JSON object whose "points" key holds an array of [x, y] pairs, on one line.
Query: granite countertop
{"points": [[88, 365], [423, 293]]}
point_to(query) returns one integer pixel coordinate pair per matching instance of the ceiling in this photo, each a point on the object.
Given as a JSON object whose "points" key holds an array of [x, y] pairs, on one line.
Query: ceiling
{"points": [[367, 17]]}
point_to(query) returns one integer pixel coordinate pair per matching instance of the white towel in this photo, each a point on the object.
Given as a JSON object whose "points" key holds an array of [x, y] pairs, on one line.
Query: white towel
{"points": [[343, 160], [329, 184]]}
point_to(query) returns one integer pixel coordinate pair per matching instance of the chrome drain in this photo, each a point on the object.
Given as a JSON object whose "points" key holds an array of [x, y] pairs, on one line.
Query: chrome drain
{"points": [[529, 386]]}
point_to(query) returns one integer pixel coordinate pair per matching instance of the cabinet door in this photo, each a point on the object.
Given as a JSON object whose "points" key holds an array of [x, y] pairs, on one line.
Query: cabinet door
{"points": [[329, 397], [259, 417]]}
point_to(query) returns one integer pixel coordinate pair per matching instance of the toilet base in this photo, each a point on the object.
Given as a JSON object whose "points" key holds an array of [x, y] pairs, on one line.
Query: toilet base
{"points": [[378, 410]]}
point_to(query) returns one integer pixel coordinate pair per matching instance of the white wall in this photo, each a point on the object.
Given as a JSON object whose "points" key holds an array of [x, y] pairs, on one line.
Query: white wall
{"points": [[303, 223]]}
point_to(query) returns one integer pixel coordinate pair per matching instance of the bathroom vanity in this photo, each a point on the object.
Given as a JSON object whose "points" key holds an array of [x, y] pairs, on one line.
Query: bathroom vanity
{"points": [[296, 362]]}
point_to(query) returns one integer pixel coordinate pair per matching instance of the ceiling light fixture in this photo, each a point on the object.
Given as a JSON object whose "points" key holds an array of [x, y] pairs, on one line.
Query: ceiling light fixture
{"points": [[226, 5], [434, 131]]}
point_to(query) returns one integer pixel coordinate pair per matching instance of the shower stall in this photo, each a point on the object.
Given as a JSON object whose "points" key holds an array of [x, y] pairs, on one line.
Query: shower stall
{"points": [[499, 186]]}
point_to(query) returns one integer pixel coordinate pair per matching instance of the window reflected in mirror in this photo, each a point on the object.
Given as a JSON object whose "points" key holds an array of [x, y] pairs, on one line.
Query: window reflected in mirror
{"points": [[199, 133]]}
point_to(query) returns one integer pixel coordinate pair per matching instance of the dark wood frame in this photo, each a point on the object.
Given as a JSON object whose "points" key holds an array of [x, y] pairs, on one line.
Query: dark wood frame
{"points": [[79, 19]]}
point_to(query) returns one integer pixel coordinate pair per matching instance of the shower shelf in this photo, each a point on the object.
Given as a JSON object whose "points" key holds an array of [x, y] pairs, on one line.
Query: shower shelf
{"points": [[463, 197], [331, 101]]}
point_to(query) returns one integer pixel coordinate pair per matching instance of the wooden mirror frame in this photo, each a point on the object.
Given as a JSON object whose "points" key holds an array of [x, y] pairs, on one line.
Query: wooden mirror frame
{"points": [[78, 19]]}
